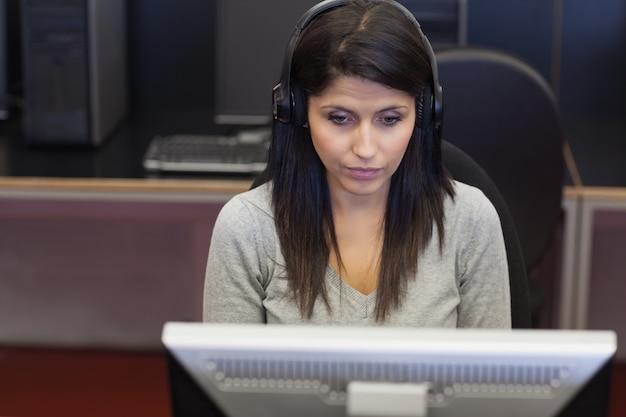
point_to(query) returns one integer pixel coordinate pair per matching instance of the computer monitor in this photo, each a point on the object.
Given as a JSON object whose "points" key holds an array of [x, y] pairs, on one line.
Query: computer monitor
{"points": [[285, 371], [251, 37]]}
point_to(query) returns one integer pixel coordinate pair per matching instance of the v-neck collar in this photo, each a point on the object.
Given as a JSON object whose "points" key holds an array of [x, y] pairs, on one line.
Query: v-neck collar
{"points": [[361, 304]]}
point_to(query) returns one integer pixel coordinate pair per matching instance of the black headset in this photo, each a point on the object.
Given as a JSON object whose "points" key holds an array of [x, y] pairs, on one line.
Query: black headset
{"points": [[286, 102]]}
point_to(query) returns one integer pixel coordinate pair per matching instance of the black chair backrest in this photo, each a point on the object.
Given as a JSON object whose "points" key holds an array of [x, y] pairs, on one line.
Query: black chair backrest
{"points": [[502, 113], [465, 169]]}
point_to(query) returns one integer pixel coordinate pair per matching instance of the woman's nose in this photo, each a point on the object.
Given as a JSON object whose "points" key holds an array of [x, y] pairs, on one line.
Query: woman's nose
{"points": [[364, 142]]}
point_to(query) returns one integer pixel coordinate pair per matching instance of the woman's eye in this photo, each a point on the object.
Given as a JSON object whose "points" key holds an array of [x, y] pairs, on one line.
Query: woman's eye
{"points": [[338, 119], [390, 120], [342, 119]]}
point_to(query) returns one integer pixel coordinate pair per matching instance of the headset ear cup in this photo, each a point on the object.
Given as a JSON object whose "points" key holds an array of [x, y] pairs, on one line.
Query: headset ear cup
{"points": [[299, 106], [281, 104], [425, 107]]}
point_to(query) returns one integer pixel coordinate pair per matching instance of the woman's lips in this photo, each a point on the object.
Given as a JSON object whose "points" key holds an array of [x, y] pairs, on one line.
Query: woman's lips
{"points": [[363, 173]]}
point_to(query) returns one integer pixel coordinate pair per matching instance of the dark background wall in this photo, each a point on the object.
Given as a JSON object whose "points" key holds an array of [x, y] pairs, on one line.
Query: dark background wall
{"points": [[523, 27], [12, 66], [592, 89], [171, 48], [579, 46]]}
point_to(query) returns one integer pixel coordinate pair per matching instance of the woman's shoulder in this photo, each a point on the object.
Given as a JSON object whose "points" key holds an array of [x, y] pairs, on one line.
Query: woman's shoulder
{"points": [[469, 201], [470, 217], [257, 201], [468, 194]]}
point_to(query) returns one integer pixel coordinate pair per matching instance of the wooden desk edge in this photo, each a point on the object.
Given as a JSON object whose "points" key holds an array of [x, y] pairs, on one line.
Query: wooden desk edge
{"points": [[595, 193], [231, 186], [124, 185]]}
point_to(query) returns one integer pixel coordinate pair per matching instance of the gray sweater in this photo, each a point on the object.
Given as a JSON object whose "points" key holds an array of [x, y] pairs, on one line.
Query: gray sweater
{"points": [[466, 285]]}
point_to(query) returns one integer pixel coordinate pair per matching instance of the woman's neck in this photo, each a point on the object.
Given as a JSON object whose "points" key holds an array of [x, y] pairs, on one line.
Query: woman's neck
{"points": [[359, 222], [347, 205]]}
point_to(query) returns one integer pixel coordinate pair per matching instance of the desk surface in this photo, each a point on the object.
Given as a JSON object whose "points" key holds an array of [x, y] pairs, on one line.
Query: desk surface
{"points": [[35, 184], [120, 156]]}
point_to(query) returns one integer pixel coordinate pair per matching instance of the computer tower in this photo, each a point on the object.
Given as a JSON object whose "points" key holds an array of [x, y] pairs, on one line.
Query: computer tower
{"points": [[74, 70]]}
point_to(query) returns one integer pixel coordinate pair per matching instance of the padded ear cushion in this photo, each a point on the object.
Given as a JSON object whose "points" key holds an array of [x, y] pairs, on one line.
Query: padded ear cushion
{"points": [[299, 105], [425, 107], [281, 104]]}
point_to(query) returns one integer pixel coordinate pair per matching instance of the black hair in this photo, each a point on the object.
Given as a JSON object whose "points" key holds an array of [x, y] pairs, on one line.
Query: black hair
{"points": [[372, 40]]}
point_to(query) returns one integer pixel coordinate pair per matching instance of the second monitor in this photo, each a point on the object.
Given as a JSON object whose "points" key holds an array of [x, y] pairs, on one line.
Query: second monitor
{"points": [[251, 38]]}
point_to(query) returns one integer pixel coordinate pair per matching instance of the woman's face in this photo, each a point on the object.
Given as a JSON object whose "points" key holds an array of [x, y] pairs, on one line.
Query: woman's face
{"points": [[360, 130]]}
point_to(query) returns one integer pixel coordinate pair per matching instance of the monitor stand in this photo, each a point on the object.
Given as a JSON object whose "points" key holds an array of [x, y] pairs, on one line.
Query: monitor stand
{"points": [[385, 399]]}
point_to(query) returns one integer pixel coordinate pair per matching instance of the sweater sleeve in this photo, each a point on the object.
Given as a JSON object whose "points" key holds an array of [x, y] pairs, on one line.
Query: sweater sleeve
{"points": [[233, 289], [484, 282]]}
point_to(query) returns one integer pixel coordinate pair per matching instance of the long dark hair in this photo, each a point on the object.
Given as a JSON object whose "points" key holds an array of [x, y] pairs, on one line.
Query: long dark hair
{"points": [[372, 40]]}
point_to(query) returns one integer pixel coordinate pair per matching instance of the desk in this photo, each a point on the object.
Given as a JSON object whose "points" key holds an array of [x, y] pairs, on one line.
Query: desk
{"points": [[130, 254], [131, 189], [593, 277], [44, 382], [103, 262]]}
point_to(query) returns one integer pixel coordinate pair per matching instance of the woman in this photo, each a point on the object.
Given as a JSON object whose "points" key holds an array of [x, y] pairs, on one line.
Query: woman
{"points": [[358, 224]]}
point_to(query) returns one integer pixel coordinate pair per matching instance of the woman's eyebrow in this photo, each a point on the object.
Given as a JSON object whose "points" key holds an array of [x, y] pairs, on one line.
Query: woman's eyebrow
{"points": [[342, 108]]}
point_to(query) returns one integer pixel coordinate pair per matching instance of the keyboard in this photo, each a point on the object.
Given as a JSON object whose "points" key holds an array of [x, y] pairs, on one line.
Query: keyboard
{"points": [[244, 153]]}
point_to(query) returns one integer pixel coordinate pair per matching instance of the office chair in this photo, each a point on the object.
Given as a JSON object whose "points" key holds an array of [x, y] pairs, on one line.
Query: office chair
{"points": [[503, 114], [465, 169]]}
